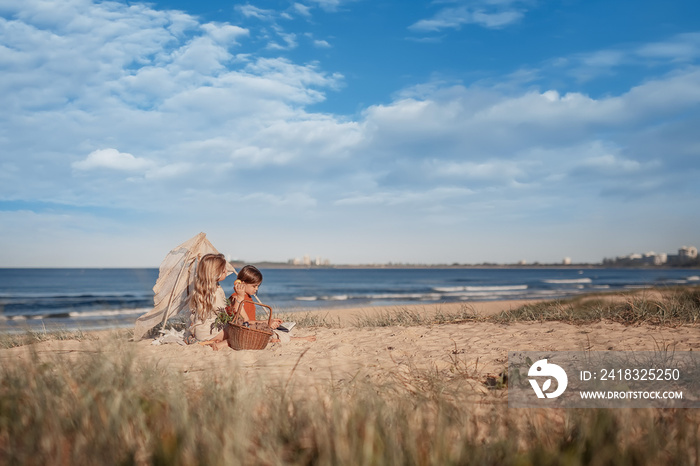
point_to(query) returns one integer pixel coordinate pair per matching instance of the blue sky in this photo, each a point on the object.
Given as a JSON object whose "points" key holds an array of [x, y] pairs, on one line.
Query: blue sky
{"points": [[358, 131]]}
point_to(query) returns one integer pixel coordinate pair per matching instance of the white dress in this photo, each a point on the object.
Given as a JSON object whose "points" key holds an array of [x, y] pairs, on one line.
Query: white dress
{"points": [[202, 330]]}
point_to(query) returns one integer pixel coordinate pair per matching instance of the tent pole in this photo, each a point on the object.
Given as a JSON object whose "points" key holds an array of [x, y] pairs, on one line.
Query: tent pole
{"points": [[177, 280]]}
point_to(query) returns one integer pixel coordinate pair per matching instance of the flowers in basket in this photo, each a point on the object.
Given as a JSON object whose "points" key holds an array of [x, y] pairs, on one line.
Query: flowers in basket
{"points": [[225, 316]]}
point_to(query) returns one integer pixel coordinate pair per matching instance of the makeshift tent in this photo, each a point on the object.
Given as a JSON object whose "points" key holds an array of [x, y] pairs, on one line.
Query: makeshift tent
{"points": [[175, 282]]}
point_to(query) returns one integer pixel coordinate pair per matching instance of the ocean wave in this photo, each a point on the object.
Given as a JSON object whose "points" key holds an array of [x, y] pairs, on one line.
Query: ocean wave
{"points": [[77, 295], [567, 281], [76, 315], [107, 313], [375, 297], [452, 289], [407, 296], [693, 278], [489, 294], [339, 297]]}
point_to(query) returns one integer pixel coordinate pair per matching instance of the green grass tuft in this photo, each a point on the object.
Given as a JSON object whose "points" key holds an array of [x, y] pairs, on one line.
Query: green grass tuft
{"points": [[411, 317]]}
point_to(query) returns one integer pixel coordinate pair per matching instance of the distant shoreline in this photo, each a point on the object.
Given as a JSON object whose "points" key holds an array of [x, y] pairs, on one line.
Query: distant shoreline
{"points": [[281, 265]]}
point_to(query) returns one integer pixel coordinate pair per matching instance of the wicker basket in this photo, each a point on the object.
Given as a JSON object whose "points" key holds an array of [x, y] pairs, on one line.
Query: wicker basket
{"points": [[253, 337]]}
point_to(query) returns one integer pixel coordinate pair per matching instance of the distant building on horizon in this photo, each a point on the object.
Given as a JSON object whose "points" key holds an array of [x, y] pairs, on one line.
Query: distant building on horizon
{"points": [[685, 255], [308, 262]]}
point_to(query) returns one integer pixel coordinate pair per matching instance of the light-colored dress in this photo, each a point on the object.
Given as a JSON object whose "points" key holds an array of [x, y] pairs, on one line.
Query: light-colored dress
{"points": [[202, 330]]}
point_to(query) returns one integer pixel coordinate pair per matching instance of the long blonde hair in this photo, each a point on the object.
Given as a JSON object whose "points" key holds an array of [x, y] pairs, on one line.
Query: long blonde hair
{"points": [[210, 268]]}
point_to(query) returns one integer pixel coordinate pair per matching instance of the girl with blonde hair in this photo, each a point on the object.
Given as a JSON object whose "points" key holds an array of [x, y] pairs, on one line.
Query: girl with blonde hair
{"points": [[207, 300]]}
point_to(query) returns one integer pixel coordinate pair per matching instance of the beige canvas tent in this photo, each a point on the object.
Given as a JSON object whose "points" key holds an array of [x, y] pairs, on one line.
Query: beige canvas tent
{"points": [[175, 280]]}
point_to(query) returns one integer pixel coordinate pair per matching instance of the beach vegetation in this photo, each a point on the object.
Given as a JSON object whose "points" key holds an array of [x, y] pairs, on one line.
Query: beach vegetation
{"points": [[310, 319], [105, 406], [11, 340], [404, 316], [670, 307], [667, 306]]}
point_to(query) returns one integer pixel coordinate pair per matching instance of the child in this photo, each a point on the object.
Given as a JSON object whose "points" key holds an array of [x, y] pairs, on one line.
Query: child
{"points": [[207, 300], [247, 284]]}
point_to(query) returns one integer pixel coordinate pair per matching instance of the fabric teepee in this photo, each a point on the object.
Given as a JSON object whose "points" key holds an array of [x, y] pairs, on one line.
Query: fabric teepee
{"points": [[175, 280]]}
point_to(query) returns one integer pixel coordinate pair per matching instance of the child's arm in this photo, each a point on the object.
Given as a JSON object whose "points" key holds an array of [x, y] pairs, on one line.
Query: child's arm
{"points": [[237, 298], [238, 295]]}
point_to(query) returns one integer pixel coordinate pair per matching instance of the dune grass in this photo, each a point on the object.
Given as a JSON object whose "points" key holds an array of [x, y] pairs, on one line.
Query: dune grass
{"points": [[669, 307], [410, 317], [309, 319], [675, 306], [11, 340], [105, 407]]}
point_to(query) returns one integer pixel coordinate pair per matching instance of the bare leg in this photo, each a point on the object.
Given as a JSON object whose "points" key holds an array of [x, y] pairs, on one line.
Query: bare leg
{"points": [[217, 342], [309, 338]]}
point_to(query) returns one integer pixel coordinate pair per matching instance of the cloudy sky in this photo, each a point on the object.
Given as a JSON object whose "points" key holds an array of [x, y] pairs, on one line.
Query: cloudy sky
{"points": [[355, 130]]}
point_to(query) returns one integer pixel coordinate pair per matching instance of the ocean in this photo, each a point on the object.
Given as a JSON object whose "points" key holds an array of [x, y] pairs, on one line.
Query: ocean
{"points": [[91, 299]]}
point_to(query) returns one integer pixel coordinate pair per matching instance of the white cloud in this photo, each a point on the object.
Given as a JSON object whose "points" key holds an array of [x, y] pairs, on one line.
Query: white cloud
{"points": [[492, 15], [250, 11], [292, 200], [329, 5], [302, 9], [201, 55], [681, 48], [610, 163], [410, 198], [496, 20], [488, 170], [112, 159], [289, 41], [225, 34]]}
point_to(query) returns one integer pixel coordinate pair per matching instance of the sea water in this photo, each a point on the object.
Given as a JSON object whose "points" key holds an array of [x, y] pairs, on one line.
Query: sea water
{"points": [[104, 298]]}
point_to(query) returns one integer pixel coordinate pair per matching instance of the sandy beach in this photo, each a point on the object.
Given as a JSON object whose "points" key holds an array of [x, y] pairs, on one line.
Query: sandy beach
{"points": [[346, 351], [366, 391]]}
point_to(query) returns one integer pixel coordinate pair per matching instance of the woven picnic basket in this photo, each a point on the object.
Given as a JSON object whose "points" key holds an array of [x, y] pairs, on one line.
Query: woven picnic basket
{"points": [[254, 336]]}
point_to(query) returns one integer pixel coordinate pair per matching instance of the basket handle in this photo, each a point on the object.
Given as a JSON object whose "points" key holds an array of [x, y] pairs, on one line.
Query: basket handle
{"points": [[240, 305]]}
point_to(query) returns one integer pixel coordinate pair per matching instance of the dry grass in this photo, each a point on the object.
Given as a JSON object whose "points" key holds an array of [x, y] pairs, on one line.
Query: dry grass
{"points": [[11, 340], [412, 317], [668, 307], [104, 407], [672, 307], [310, 319]]}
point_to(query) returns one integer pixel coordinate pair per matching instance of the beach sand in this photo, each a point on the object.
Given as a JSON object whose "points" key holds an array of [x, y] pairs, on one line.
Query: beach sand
{"points": [[345, 352]]}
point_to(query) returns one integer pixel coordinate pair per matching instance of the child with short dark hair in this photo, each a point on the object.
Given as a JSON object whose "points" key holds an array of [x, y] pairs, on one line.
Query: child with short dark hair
{"points": [[246, 286]]}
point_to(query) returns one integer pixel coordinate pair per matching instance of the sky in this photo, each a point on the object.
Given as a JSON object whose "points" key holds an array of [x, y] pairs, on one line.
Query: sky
{"points": [[358, 131]]}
